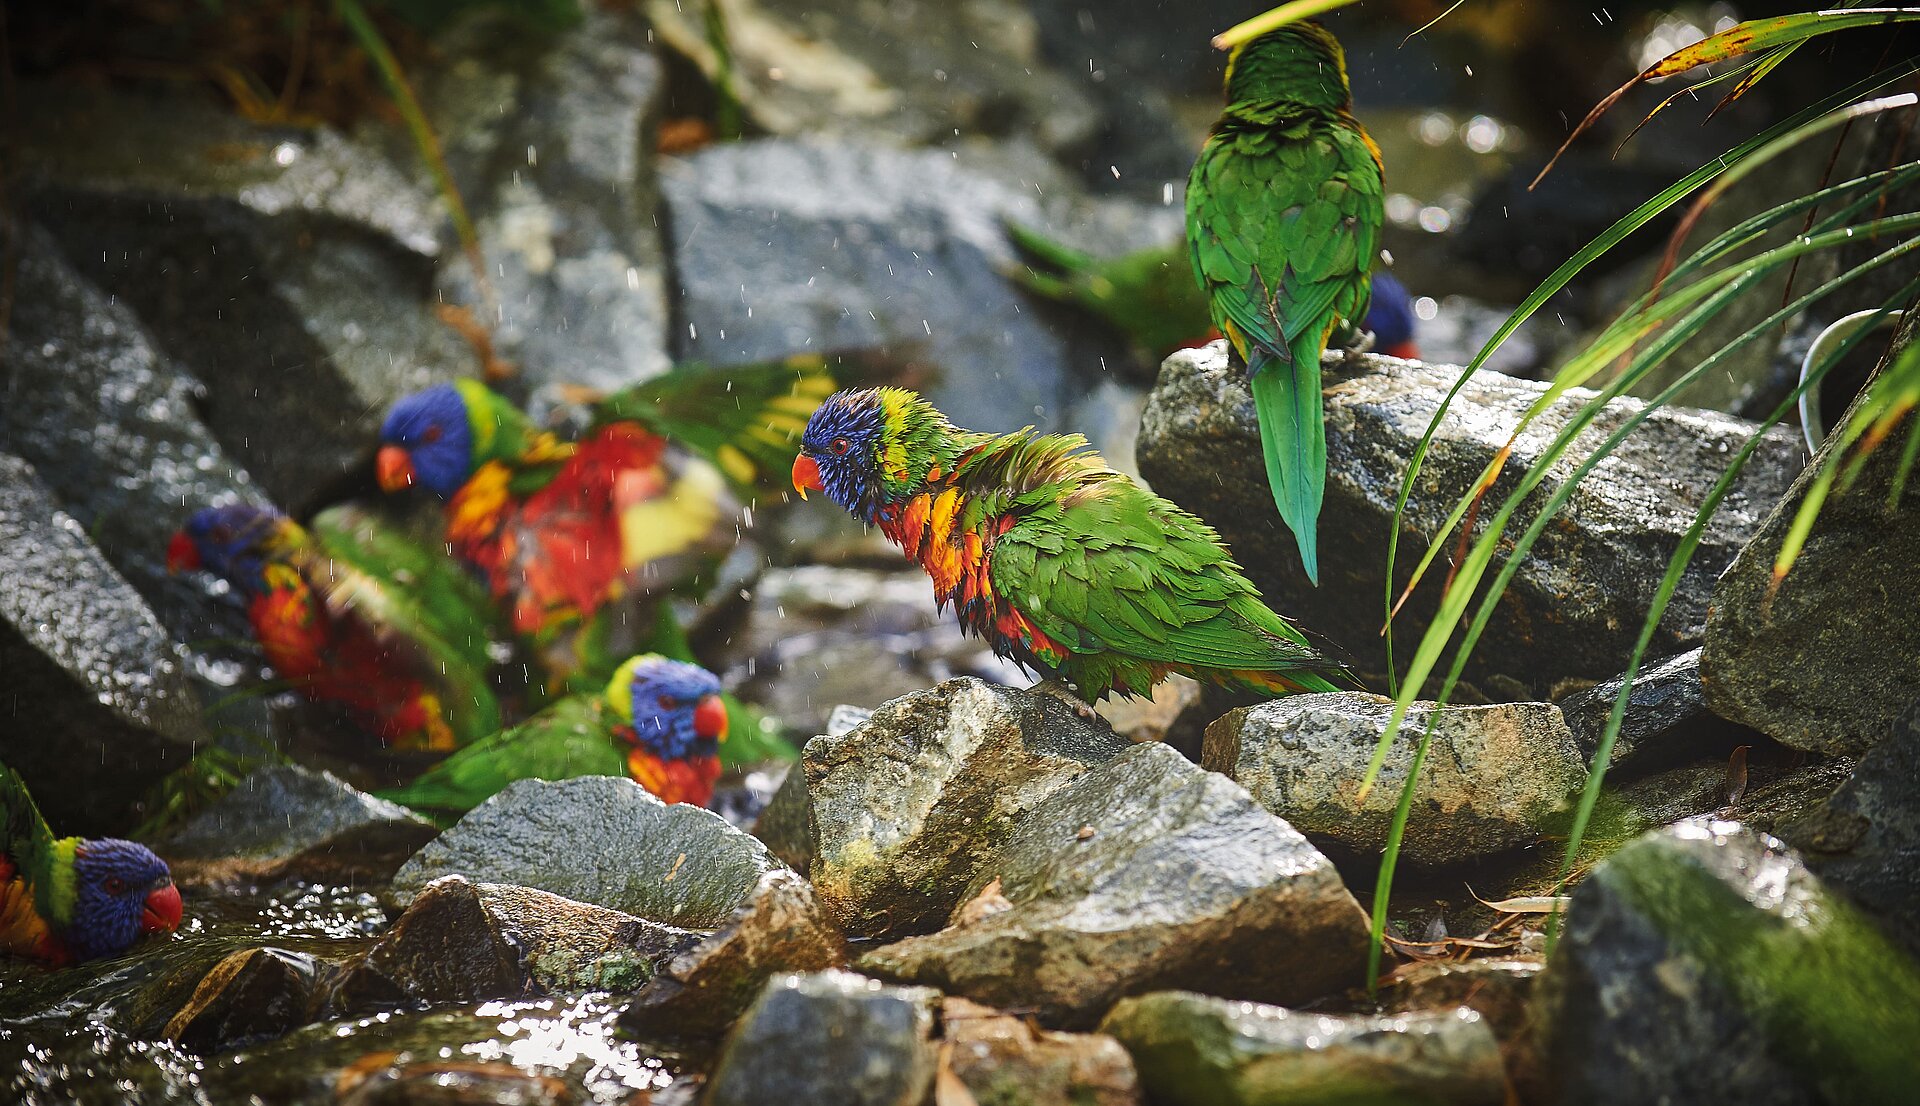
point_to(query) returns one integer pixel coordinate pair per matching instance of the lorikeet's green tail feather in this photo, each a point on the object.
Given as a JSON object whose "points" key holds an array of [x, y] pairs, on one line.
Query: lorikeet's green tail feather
{"points": [[1286, 397]]}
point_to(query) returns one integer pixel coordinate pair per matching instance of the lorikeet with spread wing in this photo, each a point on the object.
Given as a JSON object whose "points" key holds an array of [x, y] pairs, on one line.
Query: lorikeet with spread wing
{"points": [[341, 635], [1058, 562], [1284, 209], [64, 900], [659, 722], [558, 529]]}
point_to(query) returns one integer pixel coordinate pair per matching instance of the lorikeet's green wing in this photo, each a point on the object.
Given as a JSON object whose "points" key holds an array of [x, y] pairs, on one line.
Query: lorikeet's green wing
{"points": [[1110, 568], [28, 843], [451, 601], [1147, 295], [746, 419], [1283, 225], [573, 737]]}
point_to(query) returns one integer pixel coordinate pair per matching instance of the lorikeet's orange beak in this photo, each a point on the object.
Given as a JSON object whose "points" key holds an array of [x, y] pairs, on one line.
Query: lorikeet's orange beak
{"points": [[182, 554], [394, 468], [806, 475], [710, 718], [163, 910]]}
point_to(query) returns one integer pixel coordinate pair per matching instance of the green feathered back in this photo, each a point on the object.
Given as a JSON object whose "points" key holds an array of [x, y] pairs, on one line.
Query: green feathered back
{"points": [[573, 737]]}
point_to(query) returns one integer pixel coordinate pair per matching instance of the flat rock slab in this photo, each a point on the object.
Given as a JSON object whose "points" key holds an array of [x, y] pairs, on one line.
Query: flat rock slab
{"points": [[1704, 963], [288, 820], [601, 840], [830, 1037], [906, 806], [1575, 607], [1667, 717], [1495, 778], [1203, 1051], [1144, 874]]}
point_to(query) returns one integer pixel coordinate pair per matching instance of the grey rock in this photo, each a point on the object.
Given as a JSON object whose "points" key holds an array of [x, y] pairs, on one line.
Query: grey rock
{"points": [[703, 989], [1704, 963], [600, 840], [1824, 661], [96, 697], [843, 718], [252, 995], [907, 806], [1001, 1058], [1499, 989], [1196, 1049], [788, 247], [1574, 608], [292, 271], [830, 1037], [1865, 839], [1495, 777], [288, 820], [1666, 715], [785, 827], [1143, 874]]}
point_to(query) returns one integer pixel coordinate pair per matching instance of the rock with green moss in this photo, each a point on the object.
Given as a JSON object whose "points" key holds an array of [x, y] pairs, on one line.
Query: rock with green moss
{"points": [[1704, 963], [1194, 1050]]}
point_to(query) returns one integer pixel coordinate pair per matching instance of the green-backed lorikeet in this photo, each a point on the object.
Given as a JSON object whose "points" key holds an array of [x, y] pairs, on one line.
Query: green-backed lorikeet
{"points": [[559, 529], [659, 722], [1284, 209], [64, 900], [404, 660], [1057, 561]]}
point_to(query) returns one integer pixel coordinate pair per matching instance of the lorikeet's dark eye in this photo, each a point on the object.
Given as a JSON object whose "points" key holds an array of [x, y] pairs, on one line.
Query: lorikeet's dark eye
{"points": [[668, 702], [114, 885], [221, 535], [839, 446], [431, 434]]}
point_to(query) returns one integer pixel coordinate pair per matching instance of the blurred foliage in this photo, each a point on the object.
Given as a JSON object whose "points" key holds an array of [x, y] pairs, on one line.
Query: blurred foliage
{"points": [[191, 788]]}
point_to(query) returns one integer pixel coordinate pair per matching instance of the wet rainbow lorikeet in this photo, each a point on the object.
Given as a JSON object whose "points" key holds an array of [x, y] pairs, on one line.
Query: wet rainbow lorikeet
{"points": [[1284, 210], [65, 900], [659, 722], [407, 662], [1058, 562]]}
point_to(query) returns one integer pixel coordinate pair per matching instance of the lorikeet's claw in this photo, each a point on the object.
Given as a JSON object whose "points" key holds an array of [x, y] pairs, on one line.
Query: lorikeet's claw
{"points": [[1063, 691], [1362, 343]]}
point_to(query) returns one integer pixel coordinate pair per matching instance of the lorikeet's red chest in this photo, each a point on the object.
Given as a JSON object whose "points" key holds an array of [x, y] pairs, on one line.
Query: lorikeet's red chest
{"points": [[689, 780]]}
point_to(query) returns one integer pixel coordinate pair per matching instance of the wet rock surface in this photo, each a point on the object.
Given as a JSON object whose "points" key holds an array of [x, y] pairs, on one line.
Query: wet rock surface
{"points": [[1574, 608], [96, 693], [287, 820], [1499, 989], [1197, 1049], [1705, 963], [907, 806], [1001, 1058], [830, 1037], [1495, 777], [676, 864], [1667, 716], [1145, 873]]}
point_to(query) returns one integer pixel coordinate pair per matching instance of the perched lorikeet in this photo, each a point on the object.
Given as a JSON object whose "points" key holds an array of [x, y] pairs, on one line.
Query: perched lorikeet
{"points": [[659, 722], [342, 636], [1058, 562], [64, 900], [1284, 209], [558, 529]]}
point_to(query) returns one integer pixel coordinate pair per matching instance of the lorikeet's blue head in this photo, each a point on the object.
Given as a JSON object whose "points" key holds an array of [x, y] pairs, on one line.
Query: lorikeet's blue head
{"points": [[233, 542], [120, 891], [1390, 317], [427, 440], [869, 447], [674, 708]]}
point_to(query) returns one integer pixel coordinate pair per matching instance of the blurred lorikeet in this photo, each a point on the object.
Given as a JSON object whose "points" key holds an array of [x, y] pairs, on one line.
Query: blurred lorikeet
{"points": [[1058, 562], [412, 673], [558, 529], [1284, 209], [659, 722], [64, 900]]}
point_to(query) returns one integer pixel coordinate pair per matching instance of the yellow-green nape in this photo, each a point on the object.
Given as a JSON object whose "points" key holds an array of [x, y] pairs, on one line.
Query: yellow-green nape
{"points": [[619, 693]]}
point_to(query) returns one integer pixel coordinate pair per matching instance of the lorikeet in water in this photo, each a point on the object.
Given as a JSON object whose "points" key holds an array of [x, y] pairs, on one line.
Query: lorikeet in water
{"points": [[1284, 209], [342, 636], [1058, 562], [559, 529], [659, 722], [64, 900]]}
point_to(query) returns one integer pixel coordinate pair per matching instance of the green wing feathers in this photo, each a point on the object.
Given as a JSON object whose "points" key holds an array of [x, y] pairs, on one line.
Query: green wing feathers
{"points": [[28, 841], [573, 737], [746, 419]]}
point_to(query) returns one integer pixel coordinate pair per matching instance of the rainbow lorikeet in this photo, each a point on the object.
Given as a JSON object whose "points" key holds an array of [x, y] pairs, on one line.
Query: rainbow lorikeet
{"points": [[1284, 209], [659, 722], [64, 900], [1058, 562], [413, 674], [558, 529]]}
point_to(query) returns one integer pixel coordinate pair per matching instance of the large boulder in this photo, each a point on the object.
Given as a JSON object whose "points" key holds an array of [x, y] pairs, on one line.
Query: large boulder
{"points": [[830, 1037], [603, 840], [98, 700], [908, 806], [1194, 1050], [1143, 874], [1704, 963], [1495, 778], [1575, 606]]}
